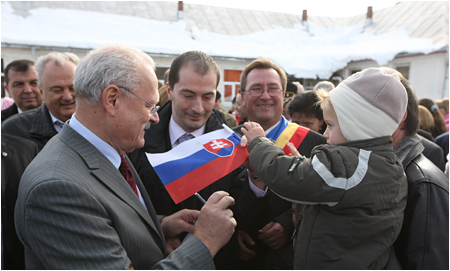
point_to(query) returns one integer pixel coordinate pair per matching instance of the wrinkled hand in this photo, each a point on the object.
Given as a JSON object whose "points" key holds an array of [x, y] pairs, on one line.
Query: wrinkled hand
{"points": [[251, 131], [245, 241], [181, 221], [274, 235], [172, 243], [216, 223]]}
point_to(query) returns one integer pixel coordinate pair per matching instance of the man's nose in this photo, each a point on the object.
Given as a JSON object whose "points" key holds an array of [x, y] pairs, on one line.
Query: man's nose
{"points": [[27, 88], [68, 94], [154, 118], [197, 105]]}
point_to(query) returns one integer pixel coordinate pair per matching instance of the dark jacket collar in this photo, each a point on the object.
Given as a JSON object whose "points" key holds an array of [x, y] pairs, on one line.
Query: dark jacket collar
{"points": [[408, 149]]}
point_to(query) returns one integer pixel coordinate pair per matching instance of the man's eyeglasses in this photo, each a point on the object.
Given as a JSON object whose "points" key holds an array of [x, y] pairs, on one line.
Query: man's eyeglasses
{"points": [[256, 92], [151, 107]]}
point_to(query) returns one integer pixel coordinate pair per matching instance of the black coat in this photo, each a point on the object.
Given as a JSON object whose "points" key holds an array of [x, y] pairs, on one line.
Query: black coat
{"points": [[434, 153], [17, 153], [157, 140], [35, 125], [8, 112], [423, 240]]}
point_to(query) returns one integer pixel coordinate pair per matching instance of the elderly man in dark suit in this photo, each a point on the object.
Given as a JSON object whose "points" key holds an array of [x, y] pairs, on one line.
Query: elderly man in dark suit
{"points": [[21, 83], [55, 76], [82, 205]]}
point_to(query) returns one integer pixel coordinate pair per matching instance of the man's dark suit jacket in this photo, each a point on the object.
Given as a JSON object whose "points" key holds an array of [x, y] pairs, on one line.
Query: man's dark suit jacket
{"points": [[253, 212], [8, 112], [35, 125], [75, 210], [157, 140], [17, 153]]}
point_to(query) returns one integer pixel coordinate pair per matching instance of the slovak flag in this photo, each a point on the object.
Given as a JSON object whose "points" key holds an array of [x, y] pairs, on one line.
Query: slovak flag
{"points": [[199, 162]]}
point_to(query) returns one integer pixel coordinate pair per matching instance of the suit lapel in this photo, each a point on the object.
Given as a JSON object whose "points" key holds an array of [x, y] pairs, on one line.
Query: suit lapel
{"points": [[149, 205], [106, 173]]}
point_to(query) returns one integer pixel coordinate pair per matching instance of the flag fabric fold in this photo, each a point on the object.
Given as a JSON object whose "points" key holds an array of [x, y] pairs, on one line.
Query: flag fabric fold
{"points": [[199, 162]]}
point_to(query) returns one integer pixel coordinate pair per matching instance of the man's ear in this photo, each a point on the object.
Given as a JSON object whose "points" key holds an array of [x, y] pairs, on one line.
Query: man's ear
{"points": [[169, 92], [110, 99], [7, 90], [402, 122]]}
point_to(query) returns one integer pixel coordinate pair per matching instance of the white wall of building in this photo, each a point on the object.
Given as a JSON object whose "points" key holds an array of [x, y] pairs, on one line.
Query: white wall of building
{"points": [[428, 74]]}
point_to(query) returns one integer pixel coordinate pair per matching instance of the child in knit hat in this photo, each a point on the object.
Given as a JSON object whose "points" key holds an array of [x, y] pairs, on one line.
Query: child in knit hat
{"points": [[351, 193]]}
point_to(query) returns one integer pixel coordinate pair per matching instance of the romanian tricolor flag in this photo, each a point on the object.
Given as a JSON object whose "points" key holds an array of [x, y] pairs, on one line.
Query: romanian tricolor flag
{"points": [[286, 132], [199, 162]]}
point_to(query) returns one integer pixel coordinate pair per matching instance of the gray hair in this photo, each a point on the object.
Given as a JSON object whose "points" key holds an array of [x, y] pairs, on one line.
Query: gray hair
{"points": [[58, 58], [112, 64]]}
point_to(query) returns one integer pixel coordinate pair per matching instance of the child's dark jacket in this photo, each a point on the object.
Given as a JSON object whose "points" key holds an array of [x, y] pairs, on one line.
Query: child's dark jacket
{"points": [[352, 197]]}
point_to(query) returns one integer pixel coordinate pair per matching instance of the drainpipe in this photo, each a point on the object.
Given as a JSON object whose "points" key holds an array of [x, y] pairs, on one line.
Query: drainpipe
{"points": [[369, 16], [180, 11], [305, 19]]}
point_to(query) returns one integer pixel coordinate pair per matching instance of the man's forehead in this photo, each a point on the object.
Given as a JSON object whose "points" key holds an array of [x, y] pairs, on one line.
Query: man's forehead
{"points": [[29, 71], [264, 75]]}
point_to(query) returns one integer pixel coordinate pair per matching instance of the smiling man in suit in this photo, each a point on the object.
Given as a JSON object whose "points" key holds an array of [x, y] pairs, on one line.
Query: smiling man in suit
{"points": [[76, 211]]}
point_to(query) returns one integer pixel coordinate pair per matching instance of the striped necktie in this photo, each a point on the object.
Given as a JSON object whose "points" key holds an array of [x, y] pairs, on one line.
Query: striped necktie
{"points": [[128, 174], [185, 137]]}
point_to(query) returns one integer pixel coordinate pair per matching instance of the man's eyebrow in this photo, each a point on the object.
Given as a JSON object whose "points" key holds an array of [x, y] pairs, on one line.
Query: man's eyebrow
{"points": [[187, 90], [195, 93]]}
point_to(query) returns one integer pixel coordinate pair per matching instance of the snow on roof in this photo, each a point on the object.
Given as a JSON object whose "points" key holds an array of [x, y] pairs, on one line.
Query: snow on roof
{"points": [[308, 51]]}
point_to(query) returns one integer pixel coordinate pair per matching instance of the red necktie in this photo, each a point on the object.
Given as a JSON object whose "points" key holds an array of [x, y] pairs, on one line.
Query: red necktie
{"points": [[128, 174]]}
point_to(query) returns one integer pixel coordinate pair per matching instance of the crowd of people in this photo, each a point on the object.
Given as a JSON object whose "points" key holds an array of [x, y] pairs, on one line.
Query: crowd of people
{"points": [[353, 176]]}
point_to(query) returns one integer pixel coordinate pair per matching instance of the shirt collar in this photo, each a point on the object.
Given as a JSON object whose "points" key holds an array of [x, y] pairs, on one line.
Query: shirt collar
{"points": [[107, 150], [54, 120], [175, 131]]}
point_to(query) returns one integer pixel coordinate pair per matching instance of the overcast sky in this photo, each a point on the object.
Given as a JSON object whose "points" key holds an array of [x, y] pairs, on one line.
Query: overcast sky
{"points": [[331, 8]]}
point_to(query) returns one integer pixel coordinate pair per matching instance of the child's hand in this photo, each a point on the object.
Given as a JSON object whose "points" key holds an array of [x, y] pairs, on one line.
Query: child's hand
{"points": [[251, 131], [294, 151]]}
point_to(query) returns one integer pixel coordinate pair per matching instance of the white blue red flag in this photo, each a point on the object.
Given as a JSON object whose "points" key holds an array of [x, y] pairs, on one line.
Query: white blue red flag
{"points": [[199, 162]]}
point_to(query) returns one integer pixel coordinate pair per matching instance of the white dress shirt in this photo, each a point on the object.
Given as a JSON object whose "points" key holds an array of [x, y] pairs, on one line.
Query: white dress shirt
{"points": [[175, 132]]}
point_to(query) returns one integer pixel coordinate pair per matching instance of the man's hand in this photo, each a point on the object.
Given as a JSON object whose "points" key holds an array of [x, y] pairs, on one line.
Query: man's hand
{"points": [[245, 241], [172, 243], [274, 235], [251, 131], [181, 221], [216, 223]]}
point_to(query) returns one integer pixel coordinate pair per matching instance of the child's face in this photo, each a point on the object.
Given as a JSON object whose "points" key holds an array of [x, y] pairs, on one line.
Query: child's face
{"points": [[333, 132]]}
